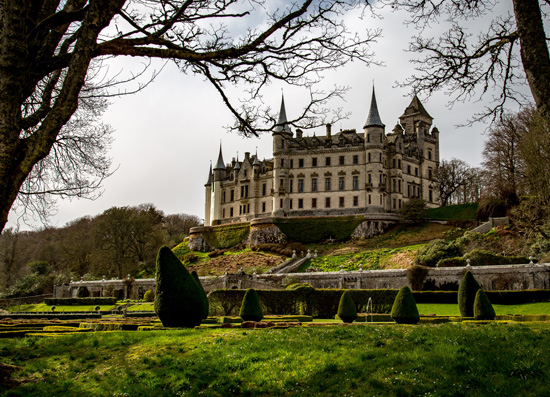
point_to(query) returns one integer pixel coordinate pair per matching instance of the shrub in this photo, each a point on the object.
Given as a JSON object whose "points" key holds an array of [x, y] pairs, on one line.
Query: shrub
{"points": [[250, 308], [413, 210], [485, 258], [404, 310], [416, 275], [467, 294], [434, 251], [483, 309], [178, 300], [491, 207], [190, 258], [149, 295], [204, 297], [346, 308]]}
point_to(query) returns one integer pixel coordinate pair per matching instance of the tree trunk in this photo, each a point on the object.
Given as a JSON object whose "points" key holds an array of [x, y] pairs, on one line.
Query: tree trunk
{"points": [[534, 53]]}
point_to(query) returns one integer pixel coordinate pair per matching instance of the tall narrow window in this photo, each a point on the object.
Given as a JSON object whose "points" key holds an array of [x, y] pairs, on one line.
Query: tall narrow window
{"points": [[301, 163], [300, 185], [341, 183], [314, 162], [300, 203], [313, 184], [355, 182], [263, 206], [291, 163], [327, 202], [327, 161], [290, 204], [264, 189], [355, 159], [355, 201], [232, 195], [341, 202], [341, 160], [231, 212], [290, 189], [327, 184], [313, 203]]}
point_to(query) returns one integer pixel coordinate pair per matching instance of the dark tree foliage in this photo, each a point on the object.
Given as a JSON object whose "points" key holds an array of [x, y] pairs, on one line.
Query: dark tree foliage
{"points": [[467, 294], [178, 299], [413, 210], [346, 308], [250, 307], [404, 310], [483, 309]]}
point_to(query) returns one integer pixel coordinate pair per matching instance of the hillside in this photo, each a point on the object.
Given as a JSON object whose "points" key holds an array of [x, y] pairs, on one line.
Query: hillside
{"points": [[392, 250]]}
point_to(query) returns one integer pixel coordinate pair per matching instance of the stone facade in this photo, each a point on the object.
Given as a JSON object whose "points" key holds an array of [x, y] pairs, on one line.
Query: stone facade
{"points": [[345, 173]]}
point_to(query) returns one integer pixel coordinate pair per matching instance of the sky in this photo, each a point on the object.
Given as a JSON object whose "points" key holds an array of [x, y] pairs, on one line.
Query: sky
{"points": [[167, 134]]}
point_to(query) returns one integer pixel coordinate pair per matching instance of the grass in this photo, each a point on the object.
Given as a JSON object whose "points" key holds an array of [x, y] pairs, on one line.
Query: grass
{"points": [[42, 307], [452, 309], [446, 359]]}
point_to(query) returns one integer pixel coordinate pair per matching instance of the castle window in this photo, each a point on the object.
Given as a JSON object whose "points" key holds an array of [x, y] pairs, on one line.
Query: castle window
{"points": [[341, 202], [245, 172], [429, 154], [399, 163], [300, 203], [223, 213], [248, 208], [300, 185], [341, 160], [281, 183], [368, 137], [370, 179], [327, 202], [263, 206], [355, 182], [355, 159], [313, 184], [231, 212], [283, 143], [380, 138], [370, 201], [223, 197], [291, 185], [313, 203], [416, 171], [399, 186], [281, 203], [400, 202], [314, 162], [393, 163], [264, 189], [240, 209], [291, 163], [394, 185], [282, 162], [341, 183], [394, 204], [301, 163], [368, 158], [355, 201], [380, 158], [430, 195], [327, 161], [327, 184], [290, 204], [408, 169], [232, 195], [429, 173]]}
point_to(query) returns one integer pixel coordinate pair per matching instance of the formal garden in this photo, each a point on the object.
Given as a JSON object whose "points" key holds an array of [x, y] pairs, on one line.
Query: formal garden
{"points": [[280, 342]]}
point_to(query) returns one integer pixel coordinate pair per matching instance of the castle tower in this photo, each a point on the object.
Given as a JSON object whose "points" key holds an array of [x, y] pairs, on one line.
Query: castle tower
{"points": [[208, 197], [376, 178], [281, 136], [216, 190]]}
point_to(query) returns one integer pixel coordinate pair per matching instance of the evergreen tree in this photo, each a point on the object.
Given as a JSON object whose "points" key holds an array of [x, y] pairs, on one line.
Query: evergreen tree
{"points": [[404, 310], [467, 294], [346, 308], [178, 299], [203, 293], [250, 307], [483, 309]]}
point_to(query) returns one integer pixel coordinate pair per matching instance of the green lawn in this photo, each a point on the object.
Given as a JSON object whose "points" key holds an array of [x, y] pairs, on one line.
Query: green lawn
{"points": [[42, 307], [452, 310], [443, 360]]}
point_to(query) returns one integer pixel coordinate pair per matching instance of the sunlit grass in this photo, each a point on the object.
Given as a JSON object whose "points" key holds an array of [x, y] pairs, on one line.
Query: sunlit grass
{"points": [[452, 309], [447, 359]]}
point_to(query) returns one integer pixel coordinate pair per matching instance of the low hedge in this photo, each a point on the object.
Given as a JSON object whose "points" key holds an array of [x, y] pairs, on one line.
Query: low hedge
{"points": [[496, 297], [80, 301], [319, 303], [227, 235]]}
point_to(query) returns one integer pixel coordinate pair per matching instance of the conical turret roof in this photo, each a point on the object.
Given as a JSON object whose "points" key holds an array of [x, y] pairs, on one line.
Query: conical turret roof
{"points": [[209, 182], [282, 121], [220, 165], [416, 107], [373, 118]]}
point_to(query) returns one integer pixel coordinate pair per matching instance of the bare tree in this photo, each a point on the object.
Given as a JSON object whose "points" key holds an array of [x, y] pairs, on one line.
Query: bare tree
{"points": [[452, 175], [47, 48], [509, 49]]}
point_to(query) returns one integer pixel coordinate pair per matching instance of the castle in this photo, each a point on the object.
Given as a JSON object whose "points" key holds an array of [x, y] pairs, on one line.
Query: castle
{"points": [[346, 173]]}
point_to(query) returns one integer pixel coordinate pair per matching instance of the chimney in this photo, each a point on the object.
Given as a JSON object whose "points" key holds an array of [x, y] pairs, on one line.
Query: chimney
{"points": [[329, 130], [247, 156], [299, 133]]}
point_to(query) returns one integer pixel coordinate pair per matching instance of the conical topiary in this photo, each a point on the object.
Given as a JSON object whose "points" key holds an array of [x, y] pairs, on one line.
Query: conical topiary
{"points": [[483, 309], [467, 294], [250, 308], [206, 304], [346, 308], [404, 310], [178, 299]]}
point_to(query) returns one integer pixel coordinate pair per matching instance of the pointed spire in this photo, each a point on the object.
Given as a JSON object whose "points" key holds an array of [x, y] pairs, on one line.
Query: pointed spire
{"points": [[374, 117], [256, 161], [282, 121], [416, 107], [220, 165], [209, 183]]}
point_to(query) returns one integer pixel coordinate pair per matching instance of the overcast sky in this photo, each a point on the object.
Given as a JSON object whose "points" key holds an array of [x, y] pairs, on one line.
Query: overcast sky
{"points": [[167, 134]]}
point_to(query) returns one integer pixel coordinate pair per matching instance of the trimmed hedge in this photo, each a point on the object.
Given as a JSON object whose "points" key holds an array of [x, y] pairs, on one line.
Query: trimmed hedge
{"points": [[404, 310], [313, 230], [80, 301], [467, 294], [483, 310], [346, 308], [250, 307], [227, 235], [319, 303]]}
